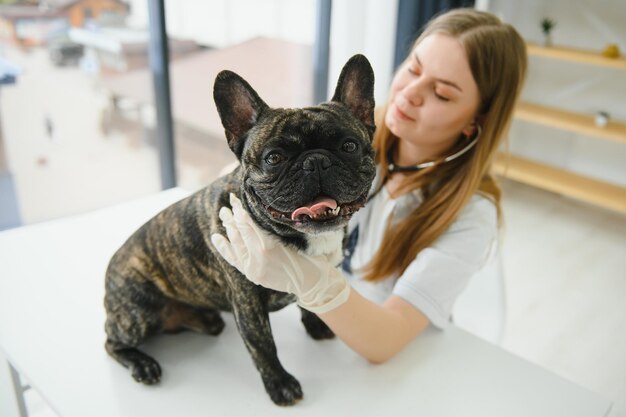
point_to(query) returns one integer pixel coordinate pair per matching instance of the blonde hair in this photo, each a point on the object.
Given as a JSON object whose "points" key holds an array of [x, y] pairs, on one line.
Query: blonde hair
{"points": [[497, 58]]}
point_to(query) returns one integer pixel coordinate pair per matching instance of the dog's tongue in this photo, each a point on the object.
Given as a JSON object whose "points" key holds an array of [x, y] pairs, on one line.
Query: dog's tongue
{"points": [[317, 206]]}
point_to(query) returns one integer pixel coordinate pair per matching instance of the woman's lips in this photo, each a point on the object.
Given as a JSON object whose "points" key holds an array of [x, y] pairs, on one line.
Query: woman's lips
{"points": [[400, 114]]}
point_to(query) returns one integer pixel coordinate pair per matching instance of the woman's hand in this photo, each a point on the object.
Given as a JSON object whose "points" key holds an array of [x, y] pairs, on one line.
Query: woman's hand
{"points": [[264, 260]]}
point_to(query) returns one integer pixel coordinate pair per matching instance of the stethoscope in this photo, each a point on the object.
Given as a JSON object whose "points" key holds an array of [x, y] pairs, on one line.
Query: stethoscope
{"points": [[392, 167]]}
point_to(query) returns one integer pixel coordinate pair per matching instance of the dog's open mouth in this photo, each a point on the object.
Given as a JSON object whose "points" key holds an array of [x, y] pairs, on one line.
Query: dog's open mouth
{"points": [[320, 210]]}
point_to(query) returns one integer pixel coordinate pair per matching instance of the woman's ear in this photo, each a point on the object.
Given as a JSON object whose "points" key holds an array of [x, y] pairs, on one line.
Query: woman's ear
{"points": [[470, 129]]}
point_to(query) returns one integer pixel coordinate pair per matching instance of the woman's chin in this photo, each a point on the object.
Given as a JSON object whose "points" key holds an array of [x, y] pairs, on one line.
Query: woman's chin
{"points": [[392, 123], [398, 127], [397, 123]]}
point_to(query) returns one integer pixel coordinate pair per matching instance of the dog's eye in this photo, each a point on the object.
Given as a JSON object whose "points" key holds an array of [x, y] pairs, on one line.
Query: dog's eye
{"points": [[349, 146], [274, 158]]}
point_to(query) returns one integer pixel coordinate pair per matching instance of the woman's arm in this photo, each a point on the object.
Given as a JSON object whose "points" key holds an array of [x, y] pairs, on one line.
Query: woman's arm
{"points": [[376, 332]]}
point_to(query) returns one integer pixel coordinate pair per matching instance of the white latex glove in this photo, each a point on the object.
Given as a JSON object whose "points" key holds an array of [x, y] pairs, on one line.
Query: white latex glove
{"points": [[317, 284]]}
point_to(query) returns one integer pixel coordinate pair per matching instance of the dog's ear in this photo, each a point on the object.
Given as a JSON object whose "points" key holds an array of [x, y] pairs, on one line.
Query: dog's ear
{"points": [[239, 107], [355, 89]]}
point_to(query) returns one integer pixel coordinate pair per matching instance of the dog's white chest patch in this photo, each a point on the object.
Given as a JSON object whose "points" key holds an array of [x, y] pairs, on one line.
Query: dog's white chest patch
{"points": [[328, 244]]}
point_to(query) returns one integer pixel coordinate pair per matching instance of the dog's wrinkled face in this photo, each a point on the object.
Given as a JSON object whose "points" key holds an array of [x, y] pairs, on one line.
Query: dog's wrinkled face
{"points": [[304, 169], [312, 169]]}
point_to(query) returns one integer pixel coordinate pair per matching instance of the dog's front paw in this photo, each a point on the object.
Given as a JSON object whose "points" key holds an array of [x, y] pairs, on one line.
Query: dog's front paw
{"points": [[315, 327], [283, 390]]}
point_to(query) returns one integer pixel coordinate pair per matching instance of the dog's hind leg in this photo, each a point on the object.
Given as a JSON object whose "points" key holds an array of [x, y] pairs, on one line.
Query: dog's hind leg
{"points": [[177, 317], [133, 314], [143, 368], [314, 326]]}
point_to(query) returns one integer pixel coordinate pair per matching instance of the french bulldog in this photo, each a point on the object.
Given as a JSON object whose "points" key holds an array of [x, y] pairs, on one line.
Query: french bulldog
{"points": [[303, 173]]}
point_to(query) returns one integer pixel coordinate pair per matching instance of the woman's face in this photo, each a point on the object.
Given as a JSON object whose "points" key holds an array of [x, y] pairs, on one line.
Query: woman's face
{"points": [[433, 99]]}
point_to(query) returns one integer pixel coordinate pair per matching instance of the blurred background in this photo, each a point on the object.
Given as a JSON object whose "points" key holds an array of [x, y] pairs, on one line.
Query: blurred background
{"points": [[79, 131]]}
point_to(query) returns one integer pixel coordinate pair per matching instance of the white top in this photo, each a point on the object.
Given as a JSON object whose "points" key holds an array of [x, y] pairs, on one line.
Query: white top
{"points": [[440, 272], [52, 331]]}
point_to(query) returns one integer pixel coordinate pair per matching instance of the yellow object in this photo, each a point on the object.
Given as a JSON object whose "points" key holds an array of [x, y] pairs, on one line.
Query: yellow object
{"points": [[611, 51]]}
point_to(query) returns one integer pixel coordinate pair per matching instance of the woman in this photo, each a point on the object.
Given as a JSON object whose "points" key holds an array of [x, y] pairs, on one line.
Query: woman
{"points": [[433, 212]]}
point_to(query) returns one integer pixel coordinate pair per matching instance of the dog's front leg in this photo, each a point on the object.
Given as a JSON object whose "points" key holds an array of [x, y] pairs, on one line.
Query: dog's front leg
{"points": [[252, 319]]}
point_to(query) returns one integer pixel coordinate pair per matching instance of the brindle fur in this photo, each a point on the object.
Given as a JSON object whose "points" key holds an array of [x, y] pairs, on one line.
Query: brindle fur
{"points": [[167, 277]]}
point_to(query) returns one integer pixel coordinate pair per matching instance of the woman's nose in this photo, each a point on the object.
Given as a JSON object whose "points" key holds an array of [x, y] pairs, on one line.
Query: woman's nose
{"points": [[413, 93]]}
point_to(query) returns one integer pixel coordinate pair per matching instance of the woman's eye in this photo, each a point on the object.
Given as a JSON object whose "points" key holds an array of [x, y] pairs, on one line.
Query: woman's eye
{"points": [[274, 158], [413, 70], [440, 97], [349, 146]]}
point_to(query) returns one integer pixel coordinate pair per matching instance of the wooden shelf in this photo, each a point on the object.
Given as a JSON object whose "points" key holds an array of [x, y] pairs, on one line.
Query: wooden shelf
{"points": [[574, 122], [555, 179], [576, 55], [563, 182]]}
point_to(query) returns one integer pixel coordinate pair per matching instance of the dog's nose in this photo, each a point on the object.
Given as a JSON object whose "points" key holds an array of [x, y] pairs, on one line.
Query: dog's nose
{"points": [[316, 162]]}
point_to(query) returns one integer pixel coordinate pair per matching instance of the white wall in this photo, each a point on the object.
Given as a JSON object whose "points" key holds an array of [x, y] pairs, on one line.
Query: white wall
{"points": [[587, 24]]}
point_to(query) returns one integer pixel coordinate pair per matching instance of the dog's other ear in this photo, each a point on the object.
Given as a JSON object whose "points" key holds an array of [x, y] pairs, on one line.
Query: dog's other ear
{"points": [[355, 89], [239, 107]]}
